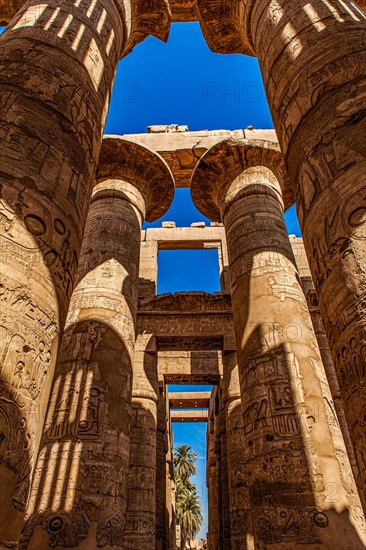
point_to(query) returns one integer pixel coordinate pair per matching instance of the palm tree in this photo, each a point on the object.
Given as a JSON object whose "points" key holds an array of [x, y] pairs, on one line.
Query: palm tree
{"points": [[189, 515], [188, 506], [184, 462]]}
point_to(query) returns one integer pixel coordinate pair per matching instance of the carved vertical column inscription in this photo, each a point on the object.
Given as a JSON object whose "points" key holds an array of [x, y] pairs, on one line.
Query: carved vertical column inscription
{"points": [[291, 431], [57, 63], [313, 61], [212, 476], [239, 512], [141, 512], [295, 456], [79, 488]]}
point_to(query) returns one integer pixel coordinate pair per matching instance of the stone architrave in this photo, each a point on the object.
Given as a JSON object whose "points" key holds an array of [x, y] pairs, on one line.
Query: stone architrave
{"points": [[294, 475], [79, 490], [58, 60], [312, 57]]}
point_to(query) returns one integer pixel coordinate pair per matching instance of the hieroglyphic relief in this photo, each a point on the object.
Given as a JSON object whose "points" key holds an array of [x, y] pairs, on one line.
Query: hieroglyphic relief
{"points": [[48, 162], [288, 413], [318, 119], [84, 440]]}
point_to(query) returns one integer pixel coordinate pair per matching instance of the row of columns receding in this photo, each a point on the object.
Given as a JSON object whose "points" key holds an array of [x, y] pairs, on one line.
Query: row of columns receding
{"points": [[59, 229]]}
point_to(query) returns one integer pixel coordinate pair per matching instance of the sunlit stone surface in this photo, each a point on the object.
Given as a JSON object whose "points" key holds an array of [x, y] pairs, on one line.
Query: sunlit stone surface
{"points": [[86, 446]]}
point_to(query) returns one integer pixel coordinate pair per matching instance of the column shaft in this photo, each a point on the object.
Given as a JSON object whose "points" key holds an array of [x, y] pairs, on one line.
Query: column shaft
{"points": [[313, 61], [141, 510], [79, 491], [58, 61], [334, 388], [212, 469], [162, 518], [293, 468], [239, 513]]}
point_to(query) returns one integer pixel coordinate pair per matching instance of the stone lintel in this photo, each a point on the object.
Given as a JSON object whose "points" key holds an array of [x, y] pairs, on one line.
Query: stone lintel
{"points": [[187, 302], [188, 321], [185, 238], [189, 400], [190, 367], [182, 150], [168, 343], [143, 168], [195, 379], [224, 162], [189, 416]]}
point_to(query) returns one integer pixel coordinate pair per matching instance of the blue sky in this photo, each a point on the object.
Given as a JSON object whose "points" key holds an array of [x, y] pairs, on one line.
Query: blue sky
{"points": [[182, 82]]}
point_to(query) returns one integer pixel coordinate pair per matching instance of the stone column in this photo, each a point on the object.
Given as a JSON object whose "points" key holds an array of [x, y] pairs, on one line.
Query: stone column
{"points": [[294, 477], [222, 458], [334, 387], [312, 57], [141, 507], [58, 61], [162, 481], [239, 514], [170, 521], [212, 477], [79, 491]]}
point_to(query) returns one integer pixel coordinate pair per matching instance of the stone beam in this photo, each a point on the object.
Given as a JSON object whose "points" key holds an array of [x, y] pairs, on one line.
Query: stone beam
{"points": [[190, 367], [169, 237], [189, 416], [188, 320], [183, 149], [189, 400], [185, 238]]}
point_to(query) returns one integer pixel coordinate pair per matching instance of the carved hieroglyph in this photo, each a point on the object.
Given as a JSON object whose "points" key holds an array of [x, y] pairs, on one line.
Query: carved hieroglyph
{"points": [[58, 61], [294, 475], [141, 511], [312, 57], [231, 399], [56, 76], [212, 477], [79, 490]]}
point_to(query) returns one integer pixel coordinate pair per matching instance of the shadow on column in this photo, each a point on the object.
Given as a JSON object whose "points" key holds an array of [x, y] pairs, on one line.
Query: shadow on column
{"points": [[79, 486], [281, 478], [141, 526], [16, 458]]}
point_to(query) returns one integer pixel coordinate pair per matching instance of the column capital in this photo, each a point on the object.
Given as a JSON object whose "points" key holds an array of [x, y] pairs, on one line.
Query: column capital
{"points": [[145, 170], [143, 19], [222, 165], [225, 26]]}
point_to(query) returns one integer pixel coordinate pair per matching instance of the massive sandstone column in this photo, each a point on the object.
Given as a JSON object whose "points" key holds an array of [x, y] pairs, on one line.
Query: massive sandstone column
{"points": [[222, 458], [294, 451], [79, 490], [212, 476], [57, 65], [141, 506], [312, 57], [238, 510]]}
